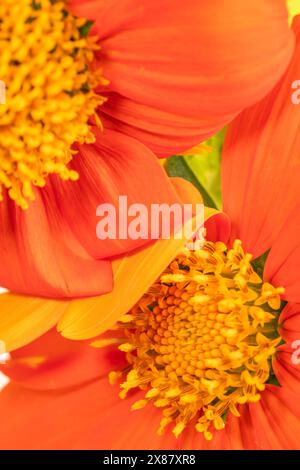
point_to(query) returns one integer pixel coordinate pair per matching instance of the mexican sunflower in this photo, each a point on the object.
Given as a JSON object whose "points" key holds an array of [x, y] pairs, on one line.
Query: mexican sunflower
{"points": [[96, 89], [205, 358]]}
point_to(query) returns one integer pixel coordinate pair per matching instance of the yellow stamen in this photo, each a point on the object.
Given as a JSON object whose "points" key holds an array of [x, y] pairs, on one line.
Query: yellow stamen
{"points": [[113, 377], [45, 64], [205, 343]]}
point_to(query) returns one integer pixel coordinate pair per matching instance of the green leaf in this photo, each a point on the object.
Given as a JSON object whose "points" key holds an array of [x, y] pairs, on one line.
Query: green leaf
{"points": [[258, 264], [293, 8], [202, 169], [177, 166], [207, 167], [273, 381]]}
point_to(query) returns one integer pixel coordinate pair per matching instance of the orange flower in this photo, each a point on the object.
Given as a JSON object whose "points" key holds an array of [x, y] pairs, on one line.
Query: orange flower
{"points": [[167, 74], [210, 302]]}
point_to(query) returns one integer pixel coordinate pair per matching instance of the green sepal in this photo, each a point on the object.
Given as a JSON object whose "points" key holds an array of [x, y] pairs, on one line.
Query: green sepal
{"points": [[85, 29], [258, 264], [177, 166], [272, 380]]}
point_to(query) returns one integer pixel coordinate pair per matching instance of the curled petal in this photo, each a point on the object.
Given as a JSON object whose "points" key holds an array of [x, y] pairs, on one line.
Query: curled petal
{"points": [[217, 225]]}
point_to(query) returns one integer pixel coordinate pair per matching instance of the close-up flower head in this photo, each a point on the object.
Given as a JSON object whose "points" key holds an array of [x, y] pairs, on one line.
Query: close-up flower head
{"points": [[150, 226]]}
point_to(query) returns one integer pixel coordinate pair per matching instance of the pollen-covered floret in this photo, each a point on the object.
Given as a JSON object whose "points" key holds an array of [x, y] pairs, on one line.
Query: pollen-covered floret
{"points": [[46, 66]]}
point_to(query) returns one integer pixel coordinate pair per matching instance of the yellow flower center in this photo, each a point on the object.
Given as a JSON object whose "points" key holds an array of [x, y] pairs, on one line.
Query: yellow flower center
{"points": [[45, 64], [200, 342]]}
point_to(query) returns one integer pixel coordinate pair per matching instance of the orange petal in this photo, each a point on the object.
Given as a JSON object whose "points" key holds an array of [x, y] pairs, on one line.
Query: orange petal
{"points": [[41, 256], [289, 322], [286, 365], [283, 418], [186, 191], [92, 416], [248, 435], [138, 430], [236, 427], [23, 319], [106, 421], [282, 266], [55, 239], [52, 420], [52, 363], [85, 417], [276, 419], [288, 402], [261, 164], [126, 429], [171, 94], [237, 434], [217, 225], [115, 165], [287, 373], [133, 275], [266, 437], [89, 415]]}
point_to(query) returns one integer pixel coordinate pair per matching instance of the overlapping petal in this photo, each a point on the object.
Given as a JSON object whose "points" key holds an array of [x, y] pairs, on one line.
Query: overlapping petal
{"points": [[116, 165], [53, 391], [261, 164], [133, 274], [287, 363], [177, 69], [24, 318], [276, 419], [53, 363], [69, 407], [41, 256], [55, 240], [83, 412], [217, 225], [282, 266], [290, 322]]}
